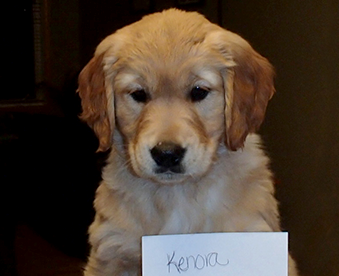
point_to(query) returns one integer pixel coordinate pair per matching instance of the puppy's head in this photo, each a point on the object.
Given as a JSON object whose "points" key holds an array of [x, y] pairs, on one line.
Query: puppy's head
{"points": [[174, 86]]}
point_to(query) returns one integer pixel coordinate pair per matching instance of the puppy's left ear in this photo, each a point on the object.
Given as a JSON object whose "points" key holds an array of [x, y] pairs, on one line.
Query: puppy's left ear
{"points": [[248, 83], [93, 96]]}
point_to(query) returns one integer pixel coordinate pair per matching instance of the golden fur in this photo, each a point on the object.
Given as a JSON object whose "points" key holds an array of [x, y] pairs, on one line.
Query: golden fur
{"points": [[222, 183]]}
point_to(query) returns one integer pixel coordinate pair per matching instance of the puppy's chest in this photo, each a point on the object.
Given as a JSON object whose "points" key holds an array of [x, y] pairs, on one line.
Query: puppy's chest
{"points": [[190, 211]]}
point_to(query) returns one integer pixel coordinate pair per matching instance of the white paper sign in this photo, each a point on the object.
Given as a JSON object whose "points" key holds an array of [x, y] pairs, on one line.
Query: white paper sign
{"points": [[216, 254]]}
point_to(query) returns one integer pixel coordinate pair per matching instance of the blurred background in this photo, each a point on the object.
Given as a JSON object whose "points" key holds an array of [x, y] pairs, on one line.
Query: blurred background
{"points": [[48, 166]]}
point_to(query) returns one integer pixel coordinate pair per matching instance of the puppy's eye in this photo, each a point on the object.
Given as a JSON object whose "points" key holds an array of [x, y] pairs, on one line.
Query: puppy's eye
{"points": [[140, 96], [198, 94]]}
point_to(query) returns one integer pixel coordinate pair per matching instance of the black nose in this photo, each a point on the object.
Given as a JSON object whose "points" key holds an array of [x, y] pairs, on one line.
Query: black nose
{"points": [[168, 157]]}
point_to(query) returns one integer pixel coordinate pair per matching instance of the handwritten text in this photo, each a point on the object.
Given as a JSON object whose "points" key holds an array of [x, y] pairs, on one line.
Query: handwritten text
{"points": [[199, 262]]}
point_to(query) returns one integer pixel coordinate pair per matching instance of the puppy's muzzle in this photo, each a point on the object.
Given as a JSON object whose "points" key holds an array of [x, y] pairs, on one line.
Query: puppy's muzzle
{"points": [[168, 157]]}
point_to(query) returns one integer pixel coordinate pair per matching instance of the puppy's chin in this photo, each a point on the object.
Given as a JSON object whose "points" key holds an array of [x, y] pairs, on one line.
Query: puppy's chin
{"points": [[170, 178]]}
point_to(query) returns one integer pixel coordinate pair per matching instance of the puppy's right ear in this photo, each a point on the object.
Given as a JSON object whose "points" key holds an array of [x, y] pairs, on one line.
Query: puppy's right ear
{"points": [[95, 110]]}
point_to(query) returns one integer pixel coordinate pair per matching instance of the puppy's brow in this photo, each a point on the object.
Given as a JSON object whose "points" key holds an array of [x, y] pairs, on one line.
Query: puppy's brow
{"points": [[127, 80], [209, 76]]}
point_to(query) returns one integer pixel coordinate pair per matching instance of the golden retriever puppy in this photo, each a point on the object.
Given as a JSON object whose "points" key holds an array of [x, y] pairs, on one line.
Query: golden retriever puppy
{"points": [[177, 99]]}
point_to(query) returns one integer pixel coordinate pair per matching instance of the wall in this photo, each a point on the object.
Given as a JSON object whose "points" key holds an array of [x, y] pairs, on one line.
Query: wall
{"points": [[301, 131]]}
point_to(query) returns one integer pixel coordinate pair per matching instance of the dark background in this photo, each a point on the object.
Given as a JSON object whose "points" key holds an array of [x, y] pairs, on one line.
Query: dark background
{"points": [[48, 166]]}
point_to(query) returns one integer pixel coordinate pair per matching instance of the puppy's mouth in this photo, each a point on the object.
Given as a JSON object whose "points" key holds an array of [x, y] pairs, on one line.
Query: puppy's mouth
{"points": [[171, 170]]}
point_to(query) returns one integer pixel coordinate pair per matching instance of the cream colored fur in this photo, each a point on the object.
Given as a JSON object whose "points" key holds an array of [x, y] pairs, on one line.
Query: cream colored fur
{"points": [[225, 184]]}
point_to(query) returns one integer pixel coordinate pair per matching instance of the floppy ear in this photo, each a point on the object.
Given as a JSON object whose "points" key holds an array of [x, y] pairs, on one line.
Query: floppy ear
{"points": [[95, 110], [248, 84]]}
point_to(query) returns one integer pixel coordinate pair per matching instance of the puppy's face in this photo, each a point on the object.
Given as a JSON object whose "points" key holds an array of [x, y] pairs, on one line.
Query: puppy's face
{"points": [[171, 116], [174, 86]]}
